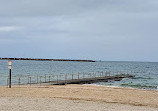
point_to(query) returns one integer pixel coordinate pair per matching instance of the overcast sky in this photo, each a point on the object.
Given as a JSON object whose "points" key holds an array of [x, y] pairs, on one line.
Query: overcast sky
{"points": [[110, 30]]}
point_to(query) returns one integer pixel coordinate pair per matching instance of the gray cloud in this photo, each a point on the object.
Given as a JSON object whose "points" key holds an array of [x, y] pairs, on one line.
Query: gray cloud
{"points": [[45, 7], [66, 7], [91, 29]]}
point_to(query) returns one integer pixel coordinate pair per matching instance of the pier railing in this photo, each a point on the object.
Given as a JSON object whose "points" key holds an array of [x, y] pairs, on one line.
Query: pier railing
{"points": [[61, 79]]}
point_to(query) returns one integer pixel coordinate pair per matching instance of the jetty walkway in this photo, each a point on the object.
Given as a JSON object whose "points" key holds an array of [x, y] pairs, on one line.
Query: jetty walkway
{"points": [[92, 80], [62, 79]]}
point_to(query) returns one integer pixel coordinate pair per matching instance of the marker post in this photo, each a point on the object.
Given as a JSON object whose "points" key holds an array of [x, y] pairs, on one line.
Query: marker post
{"points": [[10, 71]]}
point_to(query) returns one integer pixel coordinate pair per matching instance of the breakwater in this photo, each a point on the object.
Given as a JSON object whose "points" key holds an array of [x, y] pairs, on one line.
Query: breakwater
{"points": [[38, 59]]}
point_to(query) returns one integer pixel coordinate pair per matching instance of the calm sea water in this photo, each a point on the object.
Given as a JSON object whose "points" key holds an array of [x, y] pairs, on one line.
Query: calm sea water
{"points": [[146, 72]]}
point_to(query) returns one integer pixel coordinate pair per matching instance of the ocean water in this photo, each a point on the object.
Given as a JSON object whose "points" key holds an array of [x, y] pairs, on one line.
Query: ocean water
{"points": [[146, 73]]}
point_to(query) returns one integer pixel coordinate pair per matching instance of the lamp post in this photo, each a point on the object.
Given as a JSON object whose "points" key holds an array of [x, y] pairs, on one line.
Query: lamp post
{"points": [[9, 67]]}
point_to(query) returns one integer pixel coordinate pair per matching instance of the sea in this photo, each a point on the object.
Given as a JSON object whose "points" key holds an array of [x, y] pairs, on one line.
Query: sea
{"points": [[146, 73]]}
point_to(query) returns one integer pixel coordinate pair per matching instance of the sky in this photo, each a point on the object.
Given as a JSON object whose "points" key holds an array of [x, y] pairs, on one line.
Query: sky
{"points": [[107, 30]]}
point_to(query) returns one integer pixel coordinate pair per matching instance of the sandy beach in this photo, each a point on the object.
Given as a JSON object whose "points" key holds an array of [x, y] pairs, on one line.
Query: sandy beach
{"points": [[77, 97]]}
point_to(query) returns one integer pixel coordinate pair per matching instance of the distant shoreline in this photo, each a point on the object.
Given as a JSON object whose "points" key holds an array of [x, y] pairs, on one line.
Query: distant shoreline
{"points": [[37, 59]]}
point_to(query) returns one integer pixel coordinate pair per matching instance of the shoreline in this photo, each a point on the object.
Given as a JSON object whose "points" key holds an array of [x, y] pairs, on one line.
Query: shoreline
{"points": [[111, 86]]}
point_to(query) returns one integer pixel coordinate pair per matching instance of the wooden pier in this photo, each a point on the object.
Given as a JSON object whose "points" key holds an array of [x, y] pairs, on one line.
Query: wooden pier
{"points": [[82, 78], [63, 79], [92, 80]]}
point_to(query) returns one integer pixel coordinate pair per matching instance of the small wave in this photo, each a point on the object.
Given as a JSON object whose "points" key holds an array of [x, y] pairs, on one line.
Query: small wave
{"points": [[139, 86], [143, 78], [104, 85]]}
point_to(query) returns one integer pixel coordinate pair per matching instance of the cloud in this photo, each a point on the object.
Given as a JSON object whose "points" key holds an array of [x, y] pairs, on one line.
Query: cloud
{"points": [[24, 8], [9, 28], [46, 7], [104, 29]]}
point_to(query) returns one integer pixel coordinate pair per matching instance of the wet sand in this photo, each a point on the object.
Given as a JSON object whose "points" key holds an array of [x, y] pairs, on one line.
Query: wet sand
{"points": [[77, 97]]}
